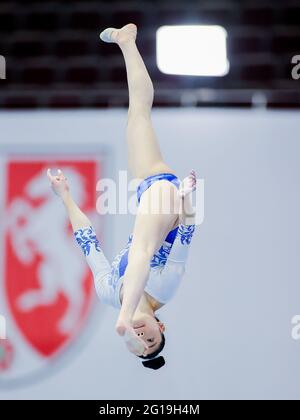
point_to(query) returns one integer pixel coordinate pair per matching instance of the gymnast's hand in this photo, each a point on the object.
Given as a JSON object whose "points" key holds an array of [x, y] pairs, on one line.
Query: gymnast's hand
{"points": [[187, 215], [134, 343], [188, 185], [59, 183]]}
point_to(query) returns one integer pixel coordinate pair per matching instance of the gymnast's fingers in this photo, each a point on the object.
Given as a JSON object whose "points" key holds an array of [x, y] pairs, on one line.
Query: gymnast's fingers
{"points": [[50, 176], [62, 175]]}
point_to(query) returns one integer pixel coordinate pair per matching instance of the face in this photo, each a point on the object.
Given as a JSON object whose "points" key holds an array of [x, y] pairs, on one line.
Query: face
{"points": [[149, 330]]}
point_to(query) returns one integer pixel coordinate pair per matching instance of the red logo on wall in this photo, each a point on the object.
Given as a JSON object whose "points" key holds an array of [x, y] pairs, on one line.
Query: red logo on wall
{"points": [[49, 291]]}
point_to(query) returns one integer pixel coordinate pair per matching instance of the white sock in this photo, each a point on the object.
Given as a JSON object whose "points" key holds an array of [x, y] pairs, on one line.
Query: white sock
{"points": [[105, 36]]}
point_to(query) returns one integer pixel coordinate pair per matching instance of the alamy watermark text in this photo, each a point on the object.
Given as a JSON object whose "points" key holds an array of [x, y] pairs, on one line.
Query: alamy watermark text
{"points": [[2, 327], [2, 67], [296, 68]]}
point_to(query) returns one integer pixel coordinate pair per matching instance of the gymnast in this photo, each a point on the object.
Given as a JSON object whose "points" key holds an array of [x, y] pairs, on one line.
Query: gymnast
{"points": [[146, 274]]}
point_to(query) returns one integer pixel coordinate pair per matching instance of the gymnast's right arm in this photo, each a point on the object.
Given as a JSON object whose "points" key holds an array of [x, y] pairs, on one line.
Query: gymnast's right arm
{"points": [[85, 237], [61, 188]]}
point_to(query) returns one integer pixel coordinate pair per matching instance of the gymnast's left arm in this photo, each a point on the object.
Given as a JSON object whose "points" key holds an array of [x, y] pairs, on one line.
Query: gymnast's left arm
{"points": [[174, 269], [187, 214], [186, 229]]}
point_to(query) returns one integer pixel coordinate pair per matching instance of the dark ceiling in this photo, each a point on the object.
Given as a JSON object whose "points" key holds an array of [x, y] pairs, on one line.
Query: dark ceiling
{"points": [[54, 57]]}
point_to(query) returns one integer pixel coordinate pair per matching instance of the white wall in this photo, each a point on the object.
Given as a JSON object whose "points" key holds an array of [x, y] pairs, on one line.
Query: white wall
{"points": [[229, 327]]}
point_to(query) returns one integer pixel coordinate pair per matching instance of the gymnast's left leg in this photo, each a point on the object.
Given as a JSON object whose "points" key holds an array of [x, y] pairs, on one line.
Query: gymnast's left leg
{"points": [[144, 155]]}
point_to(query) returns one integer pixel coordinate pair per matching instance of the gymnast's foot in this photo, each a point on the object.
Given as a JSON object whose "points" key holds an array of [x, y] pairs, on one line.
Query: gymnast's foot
{"points": [[119, 36]]}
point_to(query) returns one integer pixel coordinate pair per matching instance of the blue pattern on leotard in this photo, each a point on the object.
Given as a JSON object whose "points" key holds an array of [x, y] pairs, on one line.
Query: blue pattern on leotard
{"points": [[186, 233], [171, 236], [86, 238], [146, 183], [120, 263], [159, 259]]}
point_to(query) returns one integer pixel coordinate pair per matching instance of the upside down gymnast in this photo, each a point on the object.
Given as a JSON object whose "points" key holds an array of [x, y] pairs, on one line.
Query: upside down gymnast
{"points": [[147, 273]]}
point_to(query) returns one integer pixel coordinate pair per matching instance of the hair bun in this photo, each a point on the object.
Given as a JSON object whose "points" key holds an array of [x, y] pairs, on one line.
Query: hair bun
{"points": [[155, 363]]}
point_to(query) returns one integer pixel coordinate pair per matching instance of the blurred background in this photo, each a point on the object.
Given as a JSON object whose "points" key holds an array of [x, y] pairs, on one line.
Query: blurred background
{"points": [[64, 104], [54, 58]]}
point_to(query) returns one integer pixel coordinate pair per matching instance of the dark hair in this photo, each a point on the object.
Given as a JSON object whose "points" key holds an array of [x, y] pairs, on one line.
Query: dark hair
{"points": [[152, 361]]}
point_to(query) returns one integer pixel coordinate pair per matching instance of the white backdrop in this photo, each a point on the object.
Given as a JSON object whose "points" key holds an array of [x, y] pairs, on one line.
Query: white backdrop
{"points": [[229, 328]]}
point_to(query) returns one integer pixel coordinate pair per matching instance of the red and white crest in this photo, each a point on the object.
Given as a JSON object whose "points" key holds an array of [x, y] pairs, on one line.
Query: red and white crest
{"points": [[47, 291]]}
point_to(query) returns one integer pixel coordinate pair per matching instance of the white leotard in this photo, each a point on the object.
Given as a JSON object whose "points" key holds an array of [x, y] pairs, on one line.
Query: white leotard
{"points": [[166, 267]]}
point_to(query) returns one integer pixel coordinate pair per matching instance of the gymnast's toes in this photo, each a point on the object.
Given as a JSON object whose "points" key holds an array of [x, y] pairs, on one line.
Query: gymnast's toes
{"points": [[119, 36]]}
